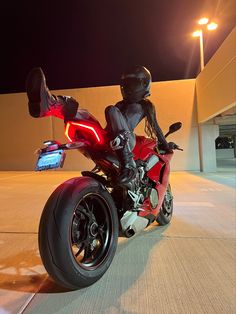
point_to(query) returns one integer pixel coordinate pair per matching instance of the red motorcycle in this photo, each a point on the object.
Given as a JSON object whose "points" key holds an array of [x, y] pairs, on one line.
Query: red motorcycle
{"points": [[84, 216]]}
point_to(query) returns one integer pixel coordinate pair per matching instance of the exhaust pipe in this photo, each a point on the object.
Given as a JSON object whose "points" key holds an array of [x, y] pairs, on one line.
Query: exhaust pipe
{"points": [[129, 232], [131, 223]]}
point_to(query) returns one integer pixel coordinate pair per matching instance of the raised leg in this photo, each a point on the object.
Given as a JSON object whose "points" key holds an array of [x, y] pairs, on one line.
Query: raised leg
{"points": [[42, 103]]}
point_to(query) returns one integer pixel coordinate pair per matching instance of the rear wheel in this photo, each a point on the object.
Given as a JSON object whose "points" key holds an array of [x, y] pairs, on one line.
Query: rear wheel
{"points": [[78, 233], [166, 211]]}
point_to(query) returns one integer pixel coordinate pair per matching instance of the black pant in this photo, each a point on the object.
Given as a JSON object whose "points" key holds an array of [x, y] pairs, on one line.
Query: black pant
{"points": [[116, 124]]}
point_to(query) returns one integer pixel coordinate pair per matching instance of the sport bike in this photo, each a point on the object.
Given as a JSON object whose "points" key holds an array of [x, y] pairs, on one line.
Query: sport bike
{"points": [[84, 216]]}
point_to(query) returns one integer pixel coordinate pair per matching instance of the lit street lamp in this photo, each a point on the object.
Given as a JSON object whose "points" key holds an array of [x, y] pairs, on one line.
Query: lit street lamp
{"points": [[199, 33]]}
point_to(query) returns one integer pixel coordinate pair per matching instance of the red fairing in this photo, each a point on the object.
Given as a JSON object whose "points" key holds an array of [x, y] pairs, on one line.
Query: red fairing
{"points": [[143, 150], [144, 147]]}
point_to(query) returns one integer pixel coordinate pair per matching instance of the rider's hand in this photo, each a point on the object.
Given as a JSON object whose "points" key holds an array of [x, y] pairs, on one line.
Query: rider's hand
{"points": [[169, 147], [166, 148], [172, 145]]}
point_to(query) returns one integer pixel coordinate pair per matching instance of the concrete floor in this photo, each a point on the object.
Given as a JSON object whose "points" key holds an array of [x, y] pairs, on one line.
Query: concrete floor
{"points": [[186, 267]]}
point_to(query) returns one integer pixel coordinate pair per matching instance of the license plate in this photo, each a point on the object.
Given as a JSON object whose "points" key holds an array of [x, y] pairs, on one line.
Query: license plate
{"points": [[50, 160]]}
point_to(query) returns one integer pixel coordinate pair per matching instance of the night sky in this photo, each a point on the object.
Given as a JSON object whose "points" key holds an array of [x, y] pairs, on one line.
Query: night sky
{"points": [[82, 43]]}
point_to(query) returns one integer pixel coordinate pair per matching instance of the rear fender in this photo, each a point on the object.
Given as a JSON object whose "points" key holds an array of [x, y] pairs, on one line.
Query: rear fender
{"points": [[95, 176]]}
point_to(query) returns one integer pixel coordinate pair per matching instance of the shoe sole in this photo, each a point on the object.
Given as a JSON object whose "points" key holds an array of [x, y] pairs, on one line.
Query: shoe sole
{"points": [[33, 85]]}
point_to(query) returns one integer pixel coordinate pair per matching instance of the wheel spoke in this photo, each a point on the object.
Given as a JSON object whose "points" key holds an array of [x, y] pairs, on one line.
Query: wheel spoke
{"points": [[90, 231], [80, 249], [81, 210], [101, 240], [102, 235], [101, 230], [91, 208], [86, 204], [87, 253]]}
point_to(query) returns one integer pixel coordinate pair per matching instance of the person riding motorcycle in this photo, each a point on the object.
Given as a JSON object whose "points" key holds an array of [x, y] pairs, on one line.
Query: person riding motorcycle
{"points": [[121, 118], [126, 115]]}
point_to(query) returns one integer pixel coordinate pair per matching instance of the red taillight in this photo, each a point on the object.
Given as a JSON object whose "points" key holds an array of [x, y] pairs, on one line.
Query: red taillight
{"points": [[67, 131], [71, 127]]}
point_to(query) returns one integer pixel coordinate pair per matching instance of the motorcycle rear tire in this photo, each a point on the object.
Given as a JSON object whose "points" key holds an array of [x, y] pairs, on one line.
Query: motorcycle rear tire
{"points": [[165, 214], [56, 238]]}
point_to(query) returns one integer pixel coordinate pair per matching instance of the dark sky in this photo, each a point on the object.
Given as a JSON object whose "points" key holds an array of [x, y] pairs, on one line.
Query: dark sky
{"points": [[84, 43]]}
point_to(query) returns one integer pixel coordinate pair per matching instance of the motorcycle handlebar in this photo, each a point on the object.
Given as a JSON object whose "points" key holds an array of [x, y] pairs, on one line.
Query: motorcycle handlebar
{"points": [[177, 147], [174, 146]]}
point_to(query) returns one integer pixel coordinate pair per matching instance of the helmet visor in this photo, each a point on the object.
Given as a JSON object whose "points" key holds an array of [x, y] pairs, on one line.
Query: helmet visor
{"points": [[131, 84]]}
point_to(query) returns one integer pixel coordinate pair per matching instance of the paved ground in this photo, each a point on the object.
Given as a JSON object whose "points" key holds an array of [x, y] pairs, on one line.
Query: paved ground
{"points": [[186, 267]]}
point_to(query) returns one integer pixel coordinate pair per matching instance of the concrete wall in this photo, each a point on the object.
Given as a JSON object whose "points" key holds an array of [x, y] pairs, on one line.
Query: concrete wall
{"points": [[21, 134], [175, 101], [216, 93], [216, 84]]}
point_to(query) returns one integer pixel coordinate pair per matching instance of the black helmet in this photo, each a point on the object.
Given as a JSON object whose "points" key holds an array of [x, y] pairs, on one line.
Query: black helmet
{"points": [[135, 83]]}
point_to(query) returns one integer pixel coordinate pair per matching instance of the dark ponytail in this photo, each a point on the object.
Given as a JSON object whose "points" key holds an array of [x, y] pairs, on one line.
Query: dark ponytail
{"points": [[152, 127], [150, 117]]}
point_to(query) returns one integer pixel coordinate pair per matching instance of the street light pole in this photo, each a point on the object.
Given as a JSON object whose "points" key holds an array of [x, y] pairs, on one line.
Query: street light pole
{"points": [[199, 33], [201, 50], [203, 22]]}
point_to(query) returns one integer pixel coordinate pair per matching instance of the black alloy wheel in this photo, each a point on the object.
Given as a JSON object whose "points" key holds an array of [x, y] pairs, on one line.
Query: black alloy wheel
{"points": [[78, 233], [91, 232]]}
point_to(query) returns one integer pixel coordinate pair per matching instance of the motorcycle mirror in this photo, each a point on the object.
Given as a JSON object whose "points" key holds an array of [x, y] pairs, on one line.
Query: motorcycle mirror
{"points": [[173, 128]]}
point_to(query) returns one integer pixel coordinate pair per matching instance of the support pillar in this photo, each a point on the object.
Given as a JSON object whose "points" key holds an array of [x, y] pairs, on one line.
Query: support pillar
{"points": [[234, 141], [207, 134]]}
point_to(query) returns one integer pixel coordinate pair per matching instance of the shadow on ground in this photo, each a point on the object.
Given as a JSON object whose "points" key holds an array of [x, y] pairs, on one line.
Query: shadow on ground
{"points": [[24, 271]]}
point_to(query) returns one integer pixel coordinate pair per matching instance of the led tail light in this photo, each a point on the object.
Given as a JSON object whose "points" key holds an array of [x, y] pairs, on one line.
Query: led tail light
{"points": [[71, 128]]}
